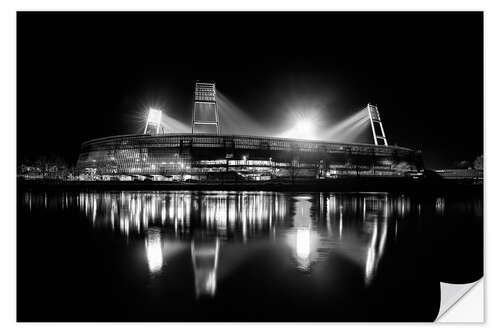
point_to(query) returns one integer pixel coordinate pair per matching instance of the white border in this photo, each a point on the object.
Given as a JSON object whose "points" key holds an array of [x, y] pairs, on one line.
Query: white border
{"points": [[7, 139]]}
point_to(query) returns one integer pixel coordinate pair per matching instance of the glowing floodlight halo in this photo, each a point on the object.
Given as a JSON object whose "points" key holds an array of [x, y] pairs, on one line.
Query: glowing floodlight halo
{"points": [[154, 121], [154, 116], [303, 128]]}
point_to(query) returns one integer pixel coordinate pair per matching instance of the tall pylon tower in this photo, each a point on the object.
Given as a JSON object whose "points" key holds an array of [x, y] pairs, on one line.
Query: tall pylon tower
{"points": [[153, 124], [377, 128], [205, 109]]}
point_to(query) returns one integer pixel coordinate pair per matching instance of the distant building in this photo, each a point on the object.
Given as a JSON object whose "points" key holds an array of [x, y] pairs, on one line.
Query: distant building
{"points": [[44, 170], [474, 175]]}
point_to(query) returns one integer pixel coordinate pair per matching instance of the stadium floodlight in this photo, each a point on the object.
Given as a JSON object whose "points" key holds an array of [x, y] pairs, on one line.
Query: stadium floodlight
{"points": [[377, 127], [153, 123], [304, 128], [154, 115], [206, 109]]}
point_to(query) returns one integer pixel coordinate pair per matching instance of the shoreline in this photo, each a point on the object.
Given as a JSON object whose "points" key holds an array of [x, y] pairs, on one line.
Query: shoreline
{"points": [[393, 185]]}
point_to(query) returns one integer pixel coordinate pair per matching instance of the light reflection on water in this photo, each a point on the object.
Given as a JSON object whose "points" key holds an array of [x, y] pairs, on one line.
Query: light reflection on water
{"points": [[154, 251], [311, 226], [205, 257], [186, 255]]}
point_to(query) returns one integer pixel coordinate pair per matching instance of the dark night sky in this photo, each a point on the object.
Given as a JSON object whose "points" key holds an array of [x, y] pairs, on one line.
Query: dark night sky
{"points": [[87, 75]]}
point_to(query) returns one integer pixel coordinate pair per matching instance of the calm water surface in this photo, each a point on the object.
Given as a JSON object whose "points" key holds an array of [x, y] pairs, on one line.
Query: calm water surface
{"points": [[242, 256]]}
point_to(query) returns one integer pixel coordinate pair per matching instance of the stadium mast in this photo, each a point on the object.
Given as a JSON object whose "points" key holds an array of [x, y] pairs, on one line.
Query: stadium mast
{"points": [[205, 110], [377, 127]]}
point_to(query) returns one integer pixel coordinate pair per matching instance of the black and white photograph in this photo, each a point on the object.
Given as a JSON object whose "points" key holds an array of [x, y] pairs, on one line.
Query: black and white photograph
{"points": [[258, 166]]}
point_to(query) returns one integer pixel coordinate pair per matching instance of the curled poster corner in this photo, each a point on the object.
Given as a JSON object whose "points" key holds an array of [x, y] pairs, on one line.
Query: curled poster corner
{"points": [[451, 294]]}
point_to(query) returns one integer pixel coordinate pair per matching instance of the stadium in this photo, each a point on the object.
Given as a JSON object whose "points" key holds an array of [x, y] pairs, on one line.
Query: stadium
{"points": [[206, 155]]}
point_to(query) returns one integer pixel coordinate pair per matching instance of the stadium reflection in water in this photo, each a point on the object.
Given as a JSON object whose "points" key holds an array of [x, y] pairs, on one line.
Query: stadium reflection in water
{"points": [[210, 256], [312, 226]]}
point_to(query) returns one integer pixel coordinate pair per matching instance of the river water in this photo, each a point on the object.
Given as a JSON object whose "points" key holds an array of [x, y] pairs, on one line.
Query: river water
{"points": [[242, 256]]}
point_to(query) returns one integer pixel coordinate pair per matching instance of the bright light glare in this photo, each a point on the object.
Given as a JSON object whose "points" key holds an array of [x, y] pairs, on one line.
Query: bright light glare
{"points": [[304, 128], [154, 116], [303, 246], [154, 252]]}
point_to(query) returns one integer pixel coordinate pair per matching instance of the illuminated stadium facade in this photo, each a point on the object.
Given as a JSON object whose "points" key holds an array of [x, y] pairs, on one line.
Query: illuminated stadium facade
{"points": [[204, 156]]}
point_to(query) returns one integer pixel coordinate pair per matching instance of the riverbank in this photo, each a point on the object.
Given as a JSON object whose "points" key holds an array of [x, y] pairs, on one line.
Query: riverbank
{"points": [[398, 185]]}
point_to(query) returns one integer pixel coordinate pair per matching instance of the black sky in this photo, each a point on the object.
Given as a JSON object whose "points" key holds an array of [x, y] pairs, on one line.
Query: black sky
{"points": [[87, 75]]}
